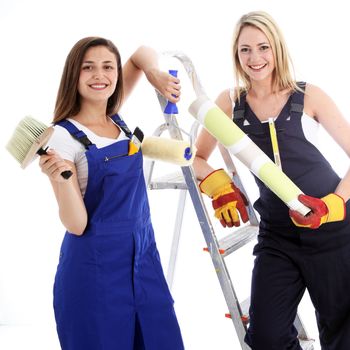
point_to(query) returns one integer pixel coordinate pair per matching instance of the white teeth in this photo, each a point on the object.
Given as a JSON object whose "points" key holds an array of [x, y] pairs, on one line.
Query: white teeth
{"points": [[257, 67], [98, 86]]}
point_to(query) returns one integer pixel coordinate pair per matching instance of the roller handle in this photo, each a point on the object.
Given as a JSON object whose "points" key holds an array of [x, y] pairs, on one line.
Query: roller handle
{"points": [[171, 107], [188, 153], [65, 174]]}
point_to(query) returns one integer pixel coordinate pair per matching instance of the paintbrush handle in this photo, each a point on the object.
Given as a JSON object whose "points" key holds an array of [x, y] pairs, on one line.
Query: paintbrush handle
{"points": [[65, 174]]}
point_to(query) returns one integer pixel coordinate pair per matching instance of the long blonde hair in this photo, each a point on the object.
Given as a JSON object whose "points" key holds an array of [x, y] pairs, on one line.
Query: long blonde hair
{"points": [[283, 77]]}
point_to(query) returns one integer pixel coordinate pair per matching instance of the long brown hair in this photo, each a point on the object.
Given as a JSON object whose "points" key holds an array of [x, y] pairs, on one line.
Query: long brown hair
{"points": [[283, 77], [68, 98]]}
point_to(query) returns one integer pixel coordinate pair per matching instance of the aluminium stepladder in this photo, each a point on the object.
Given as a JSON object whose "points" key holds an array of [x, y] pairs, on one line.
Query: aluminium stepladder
{"points": [[219, 249]]}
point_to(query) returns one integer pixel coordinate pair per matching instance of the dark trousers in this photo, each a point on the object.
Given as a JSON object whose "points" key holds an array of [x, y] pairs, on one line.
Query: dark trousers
{"points": [[285, 265]]}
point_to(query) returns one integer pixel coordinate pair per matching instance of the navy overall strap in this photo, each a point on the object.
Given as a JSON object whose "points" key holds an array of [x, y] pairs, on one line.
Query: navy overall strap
{"points": [[76, 133], [239, 109], [296, 105], [120, 122], [297, 102]]}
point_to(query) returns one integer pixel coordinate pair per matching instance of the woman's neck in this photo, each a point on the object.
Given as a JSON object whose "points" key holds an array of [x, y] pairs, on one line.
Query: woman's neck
{"points": [[265, 90], [261, 89], [92, 115]]}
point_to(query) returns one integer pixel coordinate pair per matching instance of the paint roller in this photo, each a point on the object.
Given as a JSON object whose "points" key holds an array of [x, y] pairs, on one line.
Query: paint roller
{"points": [[173, 151], [31, 136], [216, 122]]}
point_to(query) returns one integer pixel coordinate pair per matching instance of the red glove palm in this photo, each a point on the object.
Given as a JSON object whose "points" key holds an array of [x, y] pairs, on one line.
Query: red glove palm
{"points": [[227, 199], [327, 209]]}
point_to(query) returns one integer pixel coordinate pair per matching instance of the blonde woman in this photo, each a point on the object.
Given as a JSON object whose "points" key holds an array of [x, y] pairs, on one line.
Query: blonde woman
{"points": [[293, 252]]}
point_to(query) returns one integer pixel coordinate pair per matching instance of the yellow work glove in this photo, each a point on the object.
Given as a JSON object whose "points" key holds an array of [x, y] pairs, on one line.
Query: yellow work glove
{"points": [[327, 209], [227, 199]]}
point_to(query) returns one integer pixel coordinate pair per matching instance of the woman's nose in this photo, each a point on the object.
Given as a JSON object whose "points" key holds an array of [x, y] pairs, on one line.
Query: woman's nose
{"points": [[97, 74], [254, 56]]}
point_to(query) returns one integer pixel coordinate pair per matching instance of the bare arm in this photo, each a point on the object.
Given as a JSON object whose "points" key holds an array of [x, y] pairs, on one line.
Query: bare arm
{"points": [[72, 209], [206, 143], [328, 115], [145, 60]]}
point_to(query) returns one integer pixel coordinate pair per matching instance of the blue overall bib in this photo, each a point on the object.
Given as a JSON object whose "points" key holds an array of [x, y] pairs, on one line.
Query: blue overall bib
{"points": [[110, 292], [289, 258]]}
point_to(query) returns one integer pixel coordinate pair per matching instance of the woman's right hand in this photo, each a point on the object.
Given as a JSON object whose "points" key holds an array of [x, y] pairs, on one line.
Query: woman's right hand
{"points": [[168, 85], [53, 165]]}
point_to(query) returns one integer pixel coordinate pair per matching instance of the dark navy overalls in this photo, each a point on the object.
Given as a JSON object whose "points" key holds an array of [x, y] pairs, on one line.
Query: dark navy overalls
{"points": [[110, 292], [289, 258]]}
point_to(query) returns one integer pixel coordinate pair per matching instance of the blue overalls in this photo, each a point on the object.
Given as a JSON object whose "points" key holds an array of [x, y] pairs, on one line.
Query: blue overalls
{"points": [[110, 292], [289, 258]]}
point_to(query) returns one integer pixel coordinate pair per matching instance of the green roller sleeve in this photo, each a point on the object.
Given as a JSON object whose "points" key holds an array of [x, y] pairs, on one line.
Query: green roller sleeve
{"points": [[216, 122]]}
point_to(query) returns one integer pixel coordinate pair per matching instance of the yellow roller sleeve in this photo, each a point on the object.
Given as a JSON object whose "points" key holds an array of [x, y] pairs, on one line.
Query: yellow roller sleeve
{"points": [[240, 145], [168, 150]]}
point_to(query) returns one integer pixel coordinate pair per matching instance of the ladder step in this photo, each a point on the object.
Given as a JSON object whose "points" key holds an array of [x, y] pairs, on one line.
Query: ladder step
{"points": [[169, 181], [307, 344], [244, 318], [237, 239], [245, 304]]}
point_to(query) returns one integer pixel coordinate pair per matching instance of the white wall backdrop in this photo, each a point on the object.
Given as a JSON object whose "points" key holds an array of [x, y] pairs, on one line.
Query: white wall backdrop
{"points": [[35, 37]]}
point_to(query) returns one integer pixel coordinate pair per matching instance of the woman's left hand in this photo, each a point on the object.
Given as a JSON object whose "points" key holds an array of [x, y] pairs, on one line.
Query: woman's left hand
{"points": [[168, 85]]}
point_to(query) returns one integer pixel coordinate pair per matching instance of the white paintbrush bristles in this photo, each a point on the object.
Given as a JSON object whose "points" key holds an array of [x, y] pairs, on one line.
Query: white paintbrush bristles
{"points": [[29, 135], [168, 150]]}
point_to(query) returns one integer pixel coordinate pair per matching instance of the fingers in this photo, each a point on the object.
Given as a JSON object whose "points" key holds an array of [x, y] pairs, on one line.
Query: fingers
{"points": [[228, 216], [241, 207], [173, 80], [244, 198], [171, 88], [173, 92], [300, 219], [307, 200], [53, 165], [311, 220], [315, 204]]}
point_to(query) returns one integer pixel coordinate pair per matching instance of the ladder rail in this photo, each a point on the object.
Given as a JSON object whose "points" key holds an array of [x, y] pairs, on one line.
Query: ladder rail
{"points": [[218, 262], [231, 168], [176, 238], [207, 230]]}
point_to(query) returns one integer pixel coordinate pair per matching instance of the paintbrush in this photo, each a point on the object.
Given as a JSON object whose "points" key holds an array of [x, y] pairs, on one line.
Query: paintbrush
{"points": [[29, 140]]}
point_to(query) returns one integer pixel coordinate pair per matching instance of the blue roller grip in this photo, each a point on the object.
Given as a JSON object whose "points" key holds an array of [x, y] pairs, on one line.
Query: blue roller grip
{"points": [[171, 107], [188, 153]]}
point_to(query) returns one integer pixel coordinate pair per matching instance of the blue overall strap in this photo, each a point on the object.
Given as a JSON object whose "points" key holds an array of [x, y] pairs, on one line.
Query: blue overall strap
{"points": [[75, 132], [120, 122], [297, 102]]}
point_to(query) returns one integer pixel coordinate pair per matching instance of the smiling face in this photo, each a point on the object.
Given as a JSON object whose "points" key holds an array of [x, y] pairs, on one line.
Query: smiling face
{"points": [[255, 54], [98, 75]]}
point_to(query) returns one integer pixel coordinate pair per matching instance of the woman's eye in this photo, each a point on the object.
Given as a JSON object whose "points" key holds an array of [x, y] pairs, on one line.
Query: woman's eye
{"points": [[86, 67], [109, 67], [264, 47], [244, 49]]}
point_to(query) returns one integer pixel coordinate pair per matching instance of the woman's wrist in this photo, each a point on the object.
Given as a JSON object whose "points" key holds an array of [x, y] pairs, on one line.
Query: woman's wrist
{"points": [[151, 73]]}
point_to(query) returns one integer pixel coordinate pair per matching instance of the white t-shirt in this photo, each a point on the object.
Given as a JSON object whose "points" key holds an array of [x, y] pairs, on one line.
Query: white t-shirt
{"points": [[71, 149]]}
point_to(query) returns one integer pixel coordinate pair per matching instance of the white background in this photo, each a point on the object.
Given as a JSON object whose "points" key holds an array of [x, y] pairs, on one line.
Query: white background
{"points": [[35, 39]]}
